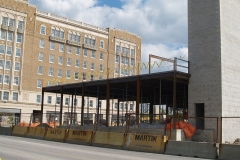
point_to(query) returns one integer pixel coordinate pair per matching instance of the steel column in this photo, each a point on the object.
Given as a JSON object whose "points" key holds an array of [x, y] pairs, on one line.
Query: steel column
{"points": [[82, 109], [138, 100], [108, 104], [42, 105], [61, 107]]}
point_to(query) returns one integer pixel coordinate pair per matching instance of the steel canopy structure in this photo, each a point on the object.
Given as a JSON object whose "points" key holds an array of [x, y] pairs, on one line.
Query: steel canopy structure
{"points": [[164, 88]]}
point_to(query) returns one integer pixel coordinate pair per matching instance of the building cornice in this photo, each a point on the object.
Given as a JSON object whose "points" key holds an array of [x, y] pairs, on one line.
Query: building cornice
{"points": [[65, 20]]}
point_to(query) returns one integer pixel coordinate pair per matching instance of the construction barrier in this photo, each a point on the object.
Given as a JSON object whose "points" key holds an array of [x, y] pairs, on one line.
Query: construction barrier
{"points": [[79, 137], [145, 143], [55, 134], [108, 139], [229, 151], [191, 149], [19, 131], [6, 130], [36, 132]]}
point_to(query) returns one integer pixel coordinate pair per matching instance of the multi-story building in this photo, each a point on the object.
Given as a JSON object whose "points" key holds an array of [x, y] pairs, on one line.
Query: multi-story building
{"points": [[42, 49]]}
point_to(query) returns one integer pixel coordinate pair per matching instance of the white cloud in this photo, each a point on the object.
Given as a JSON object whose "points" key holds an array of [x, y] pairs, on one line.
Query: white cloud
{"points": [[158, 22]]}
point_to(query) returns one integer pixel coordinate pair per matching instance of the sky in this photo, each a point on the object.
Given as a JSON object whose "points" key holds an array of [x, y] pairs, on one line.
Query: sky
{"points": [[162, 24]]}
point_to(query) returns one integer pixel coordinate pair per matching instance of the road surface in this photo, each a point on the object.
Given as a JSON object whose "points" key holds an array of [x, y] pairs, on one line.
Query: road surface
{"points": [[18, 148]]}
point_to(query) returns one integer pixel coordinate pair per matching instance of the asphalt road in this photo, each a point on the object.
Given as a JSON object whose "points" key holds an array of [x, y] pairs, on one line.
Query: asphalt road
{"points": [[17, 148]]}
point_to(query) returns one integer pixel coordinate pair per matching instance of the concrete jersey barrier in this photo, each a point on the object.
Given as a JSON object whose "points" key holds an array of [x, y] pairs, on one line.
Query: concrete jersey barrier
{"points": [[19, 131], [229, 151], [6, 130], [108, 139], [79, 137], [36, 132], [145, 143], [191, 149], [55, 134]]}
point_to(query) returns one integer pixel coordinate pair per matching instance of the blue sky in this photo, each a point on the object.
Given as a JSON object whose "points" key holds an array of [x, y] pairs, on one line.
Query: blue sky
{"points": [[111, 3], [162, 24]]}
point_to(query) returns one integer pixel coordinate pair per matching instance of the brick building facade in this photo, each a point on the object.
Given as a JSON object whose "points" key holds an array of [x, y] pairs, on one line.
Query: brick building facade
{"points": [[42, 49]]}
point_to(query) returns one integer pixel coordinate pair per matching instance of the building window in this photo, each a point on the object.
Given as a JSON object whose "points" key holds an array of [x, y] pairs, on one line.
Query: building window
{"points": [[122, 71], [61, 47], [131, 107], [132, 52], [4, 21], [49, 83], [116, 105], [117, 59], [76, 75], [101, 44], [1, 63], [101, 67], [41, 43], [2, 49], [85, 65], [57, 33], [59, 83], [6, 79], [85, 52], [10, 36], [69, 49], [123, 60], [69, 61], [89, 41], [17, 66], [92, 66], [74, 37], [5, 96], [16, 81], [38, 99], [50, 72], [116, 70], [126, 72], [132, 62], [121, 105], [77, 51], [100, 77], [9, 50], [40, 57], [39, 83], [101, 56], [1, 78], [92, 77], [84, 77], [49, 99], [68, 74], [20, 24], [126, 61], [8, 65], [90, 103], [52, 45], [11, 22], [75, 102], [67, 101], [117, 49], [40, 71], [58, 100], [51, 58], [127, 51], [93, 54], [60, 60], [3, 34], [59, 73], [77, 63], [18, 52], [19, 38], [43, 30]]}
